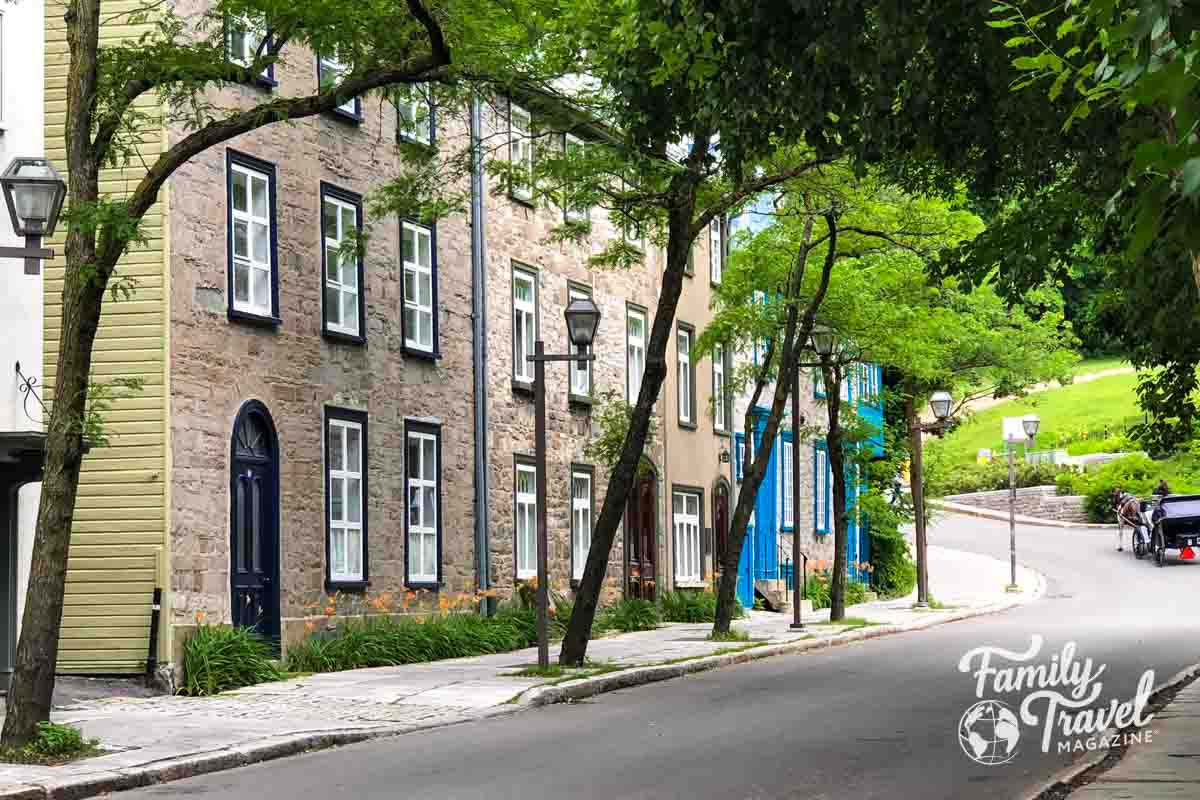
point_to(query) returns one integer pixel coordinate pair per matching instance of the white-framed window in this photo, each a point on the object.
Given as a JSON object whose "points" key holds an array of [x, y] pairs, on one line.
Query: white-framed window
{"points": [[786, 482], [683, 356], [720, 413], [331, 71], [420, 286], [575, 213], [251, 236], [525, 505], [416, 114], [243, 42], [520, 151], [580, 371], [581, 520], [345, 467], [341, 214], [635, 348], [424, 509], [524, 312], [821, 491], [686, 521], [716, 252], [3, 72]]}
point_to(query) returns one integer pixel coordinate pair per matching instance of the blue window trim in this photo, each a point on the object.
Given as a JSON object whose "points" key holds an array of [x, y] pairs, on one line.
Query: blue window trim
{"points": [[357, 117], [786, 501], [822, 480], [739, 448], [263, 80]]}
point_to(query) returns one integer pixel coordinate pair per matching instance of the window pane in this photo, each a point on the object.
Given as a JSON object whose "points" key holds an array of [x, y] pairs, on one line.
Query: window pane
{"points": [[333, 306], [335, 447], [425, 332], [353, 449], [349, 220], [414, 458], [262, 287], [410, 286], [239, 191], [430, 554], [523, 290], [337, 543], [414, 506], [329, 219], [414, 555], [237, 42], [241, 282], [337, 508], [411, 326], [425, 284], [430, 459], [261, 243], [241, 239], [350, 310], [429, 506], [425, 246], [354, 552], [332, 263], [408, 244], [258, 197], [354, 500]]}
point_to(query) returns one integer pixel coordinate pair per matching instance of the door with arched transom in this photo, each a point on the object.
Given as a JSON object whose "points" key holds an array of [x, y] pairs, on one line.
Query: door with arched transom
{"points": [[254, 522]]}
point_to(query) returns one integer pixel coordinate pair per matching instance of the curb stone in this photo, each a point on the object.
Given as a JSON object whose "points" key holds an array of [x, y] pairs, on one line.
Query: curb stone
{"points": [[965, 510], [191, 766], [1063, 779]]}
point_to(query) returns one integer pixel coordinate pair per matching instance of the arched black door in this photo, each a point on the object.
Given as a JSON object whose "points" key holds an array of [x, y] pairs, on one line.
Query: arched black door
{"points": [[254, 522], [641, 539]]}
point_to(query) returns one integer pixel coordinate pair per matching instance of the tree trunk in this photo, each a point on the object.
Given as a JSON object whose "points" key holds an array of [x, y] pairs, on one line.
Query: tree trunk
{"points": [[837, 465], [32, 687], [620, 482]]}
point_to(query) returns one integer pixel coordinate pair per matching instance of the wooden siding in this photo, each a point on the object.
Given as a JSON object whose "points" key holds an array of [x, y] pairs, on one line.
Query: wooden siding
{"points": [[118, 545]]}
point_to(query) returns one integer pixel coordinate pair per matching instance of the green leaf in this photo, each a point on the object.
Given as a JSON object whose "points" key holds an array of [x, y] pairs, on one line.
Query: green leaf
{"points": [[1191, 176], [1002, 23], [1019, 41]]}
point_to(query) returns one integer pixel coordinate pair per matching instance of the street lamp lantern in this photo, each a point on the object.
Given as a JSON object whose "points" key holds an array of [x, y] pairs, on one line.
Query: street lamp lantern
{"points": [[1031, 424], [941, 402], [583, 317], [33, 192], [823, 340]]}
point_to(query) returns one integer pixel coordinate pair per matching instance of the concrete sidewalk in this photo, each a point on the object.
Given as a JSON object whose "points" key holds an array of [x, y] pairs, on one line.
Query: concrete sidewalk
{"points": [[150, 740], [1168, 766]]}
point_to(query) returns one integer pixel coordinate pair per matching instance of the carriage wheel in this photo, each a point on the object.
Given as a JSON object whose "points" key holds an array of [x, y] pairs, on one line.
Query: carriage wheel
{"points": [[1160, 549], [1139, 549]]}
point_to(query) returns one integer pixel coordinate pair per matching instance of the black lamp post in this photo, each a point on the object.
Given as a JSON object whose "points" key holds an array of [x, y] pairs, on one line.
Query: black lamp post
{"points": [[34, 193], [583, 317], [941, 404], [1030, 425]]}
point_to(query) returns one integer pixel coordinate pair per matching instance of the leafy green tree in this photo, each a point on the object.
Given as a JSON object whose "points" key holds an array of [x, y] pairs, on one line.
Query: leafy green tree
{"points": [[176, 65]]}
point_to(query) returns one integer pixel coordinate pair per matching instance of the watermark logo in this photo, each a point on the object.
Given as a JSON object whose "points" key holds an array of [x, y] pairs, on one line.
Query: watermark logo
{"points": [[989, 733], [1056, 695]]}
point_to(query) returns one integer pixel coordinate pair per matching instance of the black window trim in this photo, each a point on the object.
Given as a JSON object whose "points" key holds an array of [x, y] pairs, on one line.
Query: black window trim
{"points": [[435, 352], [337, 111], [518, 384], [520, 460], [578, 400], [580, 468], [691, 423], [263, 81], [328, 189], [403, 136], [433, 429], [333, 412], [267, 168]]}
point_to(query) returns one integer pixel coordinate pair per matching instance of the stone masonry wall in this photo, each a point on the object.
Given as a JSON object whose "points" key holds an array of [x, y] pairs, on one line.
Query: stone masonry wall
{"points": [[1038, 501], [218, 364]]}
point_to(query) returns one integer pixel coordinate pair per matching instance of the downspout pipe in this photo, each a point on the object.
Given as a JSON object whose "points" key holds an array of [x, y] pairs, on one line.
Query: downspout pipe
{"points": [[479, 357]]}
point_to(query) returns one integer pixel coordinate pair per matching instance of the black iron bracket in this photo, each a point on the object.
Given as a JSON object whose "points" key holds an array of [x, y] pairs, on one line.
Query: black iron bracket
{"points": [[27, 385]]}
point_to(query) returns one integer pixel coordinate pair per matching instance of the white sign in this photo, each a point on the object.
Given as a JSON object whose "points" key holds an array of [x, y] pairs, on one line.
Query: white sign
{"points": [[1014, 429]]}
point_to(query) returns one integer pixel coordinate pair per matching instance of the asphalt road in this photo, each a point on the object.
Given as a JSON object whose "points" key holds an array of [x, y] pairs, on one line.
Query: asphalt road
{"points": [[878, 719]]}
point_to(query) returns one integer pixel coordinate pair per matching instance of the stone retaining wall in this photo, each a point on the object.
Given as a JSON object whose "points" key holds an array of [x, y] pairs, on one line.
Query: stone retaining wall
{"points": [[1038, 501]]}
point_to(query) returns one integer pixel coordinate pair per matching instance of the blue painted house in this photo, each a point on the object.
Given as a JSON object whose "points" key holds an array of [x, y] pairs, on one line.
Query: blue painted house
{"points": [[766, 553]]}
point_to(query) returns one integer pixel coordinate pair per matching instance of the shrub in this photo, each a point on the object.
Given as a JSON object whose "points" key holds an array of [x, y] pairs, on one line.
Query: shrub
{"points": [[893, 574], [855, 593], [55, 741], [684, 606], [946, 480], [217, 658], [633, 614]]}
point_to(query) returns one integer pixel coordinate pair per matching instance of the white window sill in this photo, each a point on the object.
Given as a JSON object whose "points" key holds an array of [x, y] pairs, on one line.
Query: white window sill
{"points": [[691, 584]]}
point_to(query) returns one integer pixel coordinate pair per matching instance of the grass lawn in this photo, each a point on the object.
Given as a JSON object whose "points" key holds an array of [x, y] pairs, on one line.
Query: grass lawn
{"points": [[1098, 365], [1064, 412]]}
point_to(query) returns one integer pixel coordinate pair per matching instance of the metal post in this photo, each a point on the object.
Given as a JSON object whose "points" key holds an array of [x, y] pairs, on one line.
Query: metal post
{"points": [[797, 580], [543, 590], [1012, 515], [916, 480]]}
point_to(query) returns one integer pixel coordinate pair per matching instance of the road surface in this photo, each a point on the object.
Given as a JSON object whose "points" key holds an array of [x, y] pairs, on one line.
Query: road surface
{"points": [[878, 719]]}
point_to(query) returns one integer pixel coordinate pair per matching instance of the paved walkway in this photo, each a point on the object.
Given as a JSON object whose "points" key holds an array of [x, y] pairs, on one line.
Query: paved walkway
{"points": [[148, 740], [1168, 766]]}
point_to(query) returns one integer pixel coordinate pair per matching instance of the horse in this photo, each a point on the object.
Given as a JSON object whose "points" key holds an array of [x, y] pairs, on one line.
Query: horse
{"points": [[1127, 507]]}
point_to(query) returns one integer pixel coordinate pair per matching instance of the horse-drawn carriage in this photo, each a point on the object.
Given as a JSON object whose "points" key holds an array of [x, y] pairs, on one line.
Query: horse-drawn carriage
{"points": [[1170, 522]]}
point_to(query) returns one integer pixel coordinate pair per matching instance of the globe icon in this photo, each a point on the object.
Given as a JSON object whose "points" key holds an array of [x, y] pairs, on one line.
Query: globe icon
{"points": [[989, 733]]}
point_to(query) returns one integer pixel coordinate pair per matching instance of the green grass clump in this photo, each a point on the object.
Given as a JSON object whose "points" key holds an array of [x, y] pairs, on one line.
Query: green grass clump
{"points": [[217, 658], [685, 606], [53, 744], [633, 614], [731, 635]]}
